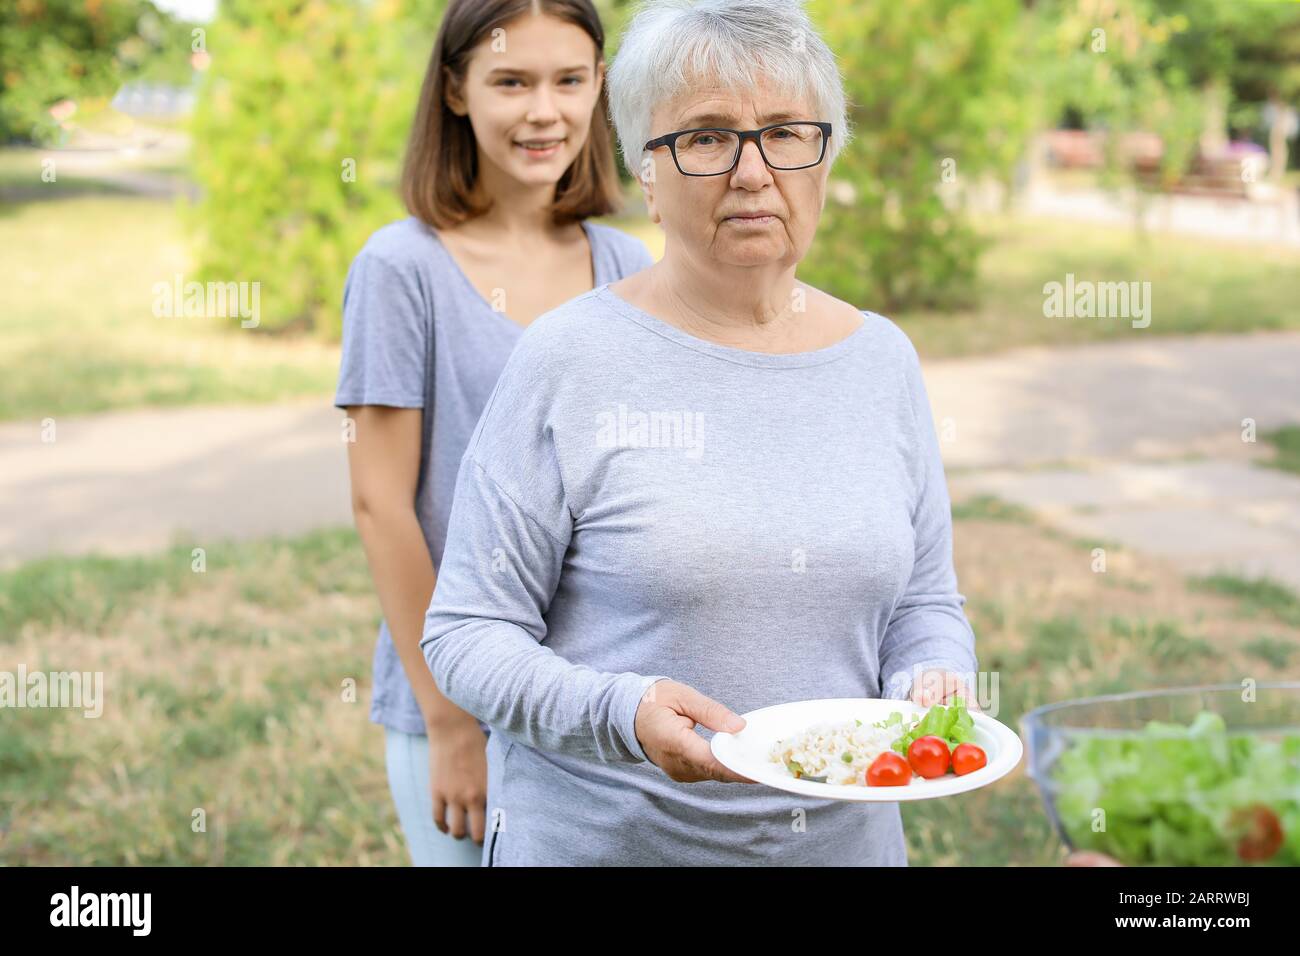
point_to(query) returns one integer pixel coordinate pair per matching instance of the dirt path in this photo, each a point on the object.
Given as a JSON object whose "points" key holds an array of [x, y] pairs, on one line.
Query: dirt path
{"points": [[1135, 443]]}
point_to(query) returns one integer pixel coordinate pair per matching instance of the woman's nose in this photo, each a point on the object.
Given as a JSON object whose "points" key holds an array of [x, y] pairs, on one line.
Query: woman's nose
{"points": [[751, 170], [541, 108]]}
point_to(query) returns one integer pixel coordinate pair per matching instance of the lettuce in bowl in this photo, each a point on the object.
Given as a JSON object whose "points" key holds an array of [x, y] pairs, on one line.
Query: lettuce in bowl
{"points": [[1195, 793]]}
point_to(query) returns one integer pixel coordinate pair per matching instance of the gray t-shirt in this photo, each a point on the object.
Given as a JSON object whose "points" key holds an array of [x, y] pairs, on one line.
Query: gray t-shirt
{"points": [[639, 503], [417, 334]]}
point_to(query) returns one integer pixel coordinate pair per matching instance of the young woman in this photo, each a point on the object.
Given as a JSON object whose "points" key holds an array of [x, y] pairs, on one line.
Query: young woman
{"points": [[509, 153]]}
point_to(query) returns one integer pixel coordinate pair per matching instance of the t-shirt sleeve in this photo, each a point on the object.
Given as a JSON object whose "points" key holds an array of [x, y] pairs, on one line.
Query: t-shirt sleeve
{"points": [[639, 257], [507, 537], [630, 253], [386, 325], [928, 629]]}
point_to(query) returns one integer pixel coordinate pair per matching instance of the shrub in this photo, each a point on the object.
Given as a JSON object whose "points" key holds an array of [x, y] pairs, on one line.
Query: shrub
{"points": [[298, 133], [935, 104]]}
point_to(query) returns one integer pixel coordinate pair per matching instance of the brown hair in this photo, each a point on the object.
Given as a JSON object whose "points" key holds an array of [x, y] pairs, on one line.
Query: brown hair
{"points": [[441, 162]]}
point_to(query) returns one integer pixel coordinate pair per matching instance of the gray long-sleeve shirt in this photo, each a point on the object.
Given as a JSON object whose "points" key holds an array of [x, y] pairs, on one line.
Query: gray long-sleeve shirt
{"points": [[638, 503]]}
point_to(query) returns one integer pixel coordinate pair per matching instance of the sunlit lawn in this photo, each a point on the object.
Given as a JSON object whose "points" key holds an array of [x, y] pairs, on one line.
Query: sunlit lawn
{"points": [[22, 167], [1197, 286], [77, 331], [225, 691]]}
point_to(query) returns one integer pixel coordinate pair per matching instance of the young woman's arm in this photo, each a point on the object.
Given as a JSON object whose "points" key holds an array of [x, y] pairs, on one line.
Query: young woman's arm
{"points": [[384, 462]]}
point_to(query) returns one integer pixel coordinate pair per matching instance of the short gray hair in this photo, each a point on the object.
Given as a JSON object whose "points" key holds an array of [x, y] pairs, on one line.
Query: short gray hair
{"points": [[672, 44]]}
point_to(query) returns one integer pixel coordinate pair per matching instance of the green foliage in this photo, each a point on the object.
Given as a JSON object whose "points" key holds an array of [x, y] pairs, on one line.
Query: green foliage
{"points": [[1113, 64], [298, 135], [1253, 47], [55, 50], [944, 94], [936, 104], [1176, 68], [1286, 440]]}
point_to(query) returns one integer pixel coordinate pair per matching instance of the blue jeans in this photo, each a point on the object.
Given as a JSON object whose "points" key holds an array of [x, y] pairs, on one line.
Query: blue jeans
{"points": [[407, 757]]}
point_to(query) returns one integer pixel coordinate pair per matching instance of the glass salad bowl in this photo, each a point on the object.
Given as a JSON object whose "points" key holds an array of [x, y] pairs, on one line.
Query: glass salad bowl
{"points": [[1196, 776]]}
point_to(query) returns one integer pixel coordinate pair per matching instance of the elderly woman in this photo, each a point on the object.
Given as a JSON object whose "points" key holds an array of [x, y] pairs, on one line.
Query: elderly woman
{"points": [[697, 491]]}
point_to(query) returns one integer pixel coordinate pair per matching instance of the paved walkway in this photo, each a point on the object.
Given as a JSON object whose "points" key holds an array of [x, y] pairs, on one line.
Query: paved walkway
{"points": [[1206, 516], [1096, 439], [124, 482], [1158, 397]]}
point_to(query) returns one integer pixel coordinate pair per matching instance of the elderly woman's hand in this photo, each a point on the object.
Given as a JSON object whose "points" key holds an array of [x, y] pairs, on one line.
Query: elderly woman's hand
{"points": [[940, 687], [665, 725]]}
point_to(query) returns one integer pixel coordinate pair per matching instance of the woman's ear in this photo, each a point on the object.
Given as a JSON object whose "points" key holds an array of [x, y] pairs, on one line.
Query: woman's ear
{"points": [[452, 94], [646, 179], [600, 76]]}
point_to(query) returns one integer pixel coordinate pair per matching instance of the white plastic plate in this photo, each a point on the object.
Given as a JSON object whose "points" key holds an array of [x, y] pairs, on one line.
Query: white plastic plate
{"points": [[747, 752]]}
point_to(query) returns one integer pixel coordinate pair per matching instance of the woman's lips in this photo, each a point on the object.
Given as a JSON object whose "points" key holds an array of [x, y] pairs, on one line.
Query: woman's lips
{"points": [[755, 220], [535, 150]]}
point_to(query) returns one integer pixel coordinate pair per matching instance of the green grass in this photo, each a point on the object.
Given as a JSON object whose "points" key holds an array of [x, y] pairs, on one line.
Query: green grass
{"points": [[86, 592], [1197, 286], [1162, 641], [77, 332], [1286, 441], [1257, 595], [223, 694], [77, 329], [990, 508], [216, 707], [1272, 651]]}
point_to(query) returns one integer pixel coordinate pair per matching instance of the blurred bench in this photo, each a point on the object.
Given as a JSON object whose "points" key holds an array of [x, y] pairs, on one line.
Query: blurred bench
{"points": [[1218, 176]]}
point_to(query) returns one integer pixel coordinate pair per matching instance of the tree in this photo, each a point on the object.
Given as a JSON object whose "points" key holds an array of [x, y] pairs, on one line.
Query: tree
{"points": [[1246, 54], [936, 90], [1108, 62], [56, 50], [1183, 69], [298, 134]]}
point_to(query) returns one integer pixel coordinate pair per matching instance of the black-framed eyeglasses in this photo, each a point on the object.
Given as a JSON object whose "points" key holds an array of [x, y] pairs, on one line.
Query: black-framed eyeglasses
{"points": [[712, 151]]}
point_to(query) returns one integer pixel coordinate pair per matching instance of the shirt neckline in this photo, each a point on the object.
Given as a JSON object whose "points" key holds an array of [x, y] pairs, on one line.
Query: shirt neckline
{"points": [[478, 296], [726, 352]]}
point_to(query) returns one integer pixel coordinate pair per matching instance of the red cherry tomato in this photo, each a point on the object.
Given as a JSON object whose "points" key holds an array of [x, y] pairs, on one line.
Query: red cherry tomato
{"points": [[889, 770], [968, 758], [1261, 832], [929, 756]]}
